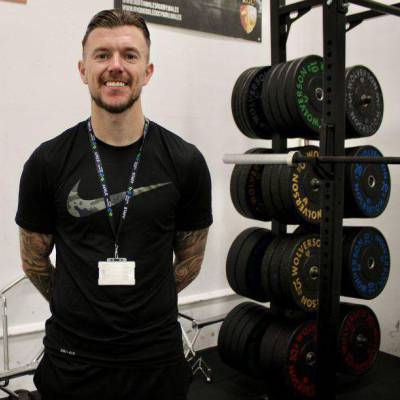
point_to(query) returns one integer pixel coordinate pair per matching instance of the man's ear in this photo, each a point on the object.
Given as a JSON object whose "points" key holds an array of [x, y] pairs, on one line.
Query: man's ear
{"points": [[82, 71], [149, 73]]}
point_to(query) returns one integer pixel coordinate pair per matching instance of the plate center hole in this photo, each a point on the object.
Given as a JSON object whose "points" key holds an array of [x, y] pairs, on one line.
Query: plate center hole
{"points": [[319, 94], [371, 181], [371, 263]]}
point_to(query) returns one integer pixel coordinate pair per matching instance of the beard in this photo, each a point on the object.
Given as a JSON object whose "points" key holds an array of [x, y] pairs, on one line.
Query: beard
{"points": [[116, 109]]}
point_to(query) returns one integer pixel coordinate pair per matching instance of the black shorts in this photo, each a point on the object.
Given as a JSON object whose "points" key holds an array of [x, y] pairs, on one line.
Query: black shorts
{"points": [[59, 378]]}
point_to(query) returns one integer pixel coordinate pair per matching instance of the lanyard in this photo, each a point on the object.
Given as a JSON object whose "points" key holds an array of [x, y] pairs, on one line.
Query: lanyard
{"points": [[102, 178]]}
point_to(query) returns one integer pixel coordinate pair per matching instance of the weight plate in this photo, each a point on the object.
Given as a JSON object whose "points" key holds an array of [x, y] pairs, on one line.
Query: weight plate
{"points": [[275, 270], [237, 103], [266, 102], [364, 102], [267, 346], [366, 262], [300, 130], [273, 90], [305, 93], [235, 190], [250, 190], [358, 340], [248, 264], [233, 256], [295, 357], [225, 348], [299, 273], [243, 102], [238, 328], [267, 192], [248, 345], [266, 267], [292, 129], [298, 193], [280, 213], [236, 99], [367, 185], [254, 112]]}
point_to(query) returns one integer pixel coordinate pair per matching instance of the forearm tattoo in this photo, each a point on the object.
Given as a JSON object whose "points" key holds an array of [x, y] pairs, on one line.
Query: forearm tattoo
{"points": [[189, 250], [35, 250]]}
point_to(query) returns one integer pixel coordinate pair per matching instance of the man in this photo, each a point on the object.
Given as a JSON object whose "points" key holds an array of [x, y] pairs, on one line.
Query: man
{"points": [[117, 195]]}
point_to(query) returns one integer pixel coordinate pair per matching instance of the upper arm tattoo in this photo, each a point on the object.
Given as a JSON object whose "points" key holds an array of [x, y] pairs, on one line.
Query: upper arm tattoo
{"points": [[189, 247], [35, 250]]}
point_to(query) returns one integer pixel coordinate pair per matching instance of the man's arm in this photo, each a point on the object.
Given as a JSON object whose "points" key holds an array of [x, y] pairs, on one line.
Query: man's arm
{"points": [[35, 250], [189, 250]]}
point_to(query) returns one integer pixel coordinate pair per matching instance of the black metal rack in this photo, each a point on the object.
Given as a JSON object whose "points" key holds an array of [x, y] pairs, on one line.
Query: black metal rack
{"points": [[332, 140]]}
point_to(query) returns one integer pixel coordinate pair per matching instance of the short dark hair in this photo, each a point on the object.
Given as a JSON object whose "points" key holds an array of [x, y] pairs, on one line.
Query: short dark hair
{"points": [[114, 18]]}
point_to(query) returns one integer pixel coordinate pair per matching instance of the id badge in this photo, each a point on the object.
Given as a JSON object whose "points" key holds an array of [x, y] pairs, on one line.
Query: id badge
{"points": [[116, 271]]}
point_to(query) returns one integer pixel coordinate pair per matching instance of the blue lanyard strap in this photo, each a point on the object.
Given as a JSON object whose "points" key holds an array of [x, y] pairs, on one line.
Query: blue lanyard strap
{"points": [[104, 188]]}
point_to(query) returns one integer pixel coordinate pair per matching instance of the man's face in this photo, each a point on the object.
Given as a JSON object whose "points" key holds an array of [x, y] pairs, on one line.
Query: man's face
{"points": [[115, 67]]}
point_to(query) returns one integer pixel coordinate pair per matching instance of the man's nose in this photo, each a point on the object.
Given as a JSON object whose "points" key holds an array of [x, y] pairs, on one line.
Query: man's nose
{"points": [[115, 63]]}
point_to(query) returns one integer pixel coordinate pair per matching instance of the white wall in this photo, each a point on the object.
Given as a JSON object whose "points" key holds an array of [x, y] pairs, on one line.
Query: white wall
{"points": [[41, 95]]}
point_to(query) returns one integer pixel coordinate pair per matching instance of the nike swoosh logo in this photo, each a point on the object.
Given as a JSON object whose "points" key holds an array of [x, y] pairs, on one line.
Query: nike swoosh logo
{"points": [[79, 207]]}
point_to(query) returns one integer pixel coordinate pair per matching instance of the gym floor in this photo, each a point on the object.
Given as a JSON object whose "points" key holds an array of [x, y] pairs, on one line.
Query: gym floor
{"points": [[382, 383]]}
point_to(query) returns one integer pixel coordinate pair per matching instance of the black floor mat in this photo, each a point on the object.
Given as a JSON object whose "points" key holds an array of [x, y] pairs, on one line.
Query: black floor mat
{"points": [[382, 383]]}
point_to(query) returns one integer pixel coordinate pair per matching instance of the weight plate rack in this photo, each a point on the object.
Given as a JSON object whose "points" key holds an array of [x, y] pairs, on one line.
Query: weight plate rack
{"points": [[303, 274]]}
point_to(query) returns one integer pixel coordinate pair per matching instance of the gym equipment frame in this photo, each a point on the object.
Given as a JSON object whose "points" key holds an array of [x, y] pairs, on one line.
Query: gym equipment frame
{"points": [[330, 164]]}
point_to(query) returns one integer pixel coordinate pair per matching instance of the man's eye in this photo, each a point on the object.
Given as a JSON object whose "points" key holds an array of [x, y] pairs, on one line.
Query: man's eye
{"points": [[131, 56], [101, 56]]}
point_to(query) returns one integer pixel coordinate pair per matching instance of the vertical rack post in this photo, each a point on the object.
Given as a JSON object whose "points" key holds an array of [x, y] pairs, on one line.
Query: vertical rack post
{"points": [[278, 54], [332, 192], [331, 143]]}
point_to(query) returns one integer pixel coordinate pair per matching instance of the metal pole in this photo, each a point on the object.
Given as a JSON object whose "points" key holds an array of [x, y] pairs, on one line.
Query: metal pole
{"points": [[5, 333], [287, 159]]}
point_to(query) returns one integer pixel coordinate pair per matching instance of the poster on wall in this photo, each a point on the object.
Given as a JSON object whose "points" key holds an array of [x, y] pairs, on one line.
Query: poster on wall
{"points": [[16, 1], [235, 18]]}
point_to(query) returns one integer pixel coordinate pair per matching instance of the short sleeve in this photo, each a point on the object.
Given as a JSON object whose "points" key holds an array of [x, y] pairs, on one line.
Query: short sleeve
{"points": [[35, 200], [194, 210]]}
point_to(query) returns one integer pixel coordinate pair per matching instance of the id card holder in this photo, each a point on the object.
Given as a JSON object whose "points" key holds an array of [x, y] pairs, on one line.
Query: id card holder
{"points": [[116, 271]]}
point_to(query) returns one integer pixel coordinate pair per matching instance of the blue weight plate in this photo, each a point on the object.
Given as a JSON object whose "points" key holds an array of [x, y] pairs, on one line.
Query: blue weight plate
{"points": [[366, 262], [367, 185]]}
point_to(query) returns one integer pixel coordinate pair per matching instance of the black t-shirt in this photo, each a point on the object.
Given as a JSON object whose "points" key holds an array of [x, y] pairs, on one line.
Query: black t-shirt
{"points": [[60, 194]]}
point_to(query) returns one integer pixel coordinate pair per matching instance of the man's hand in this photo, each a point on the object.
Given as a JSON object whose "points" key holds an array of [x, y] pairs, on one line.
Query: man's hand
{"points": [[35, 251], [189, 250]]}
